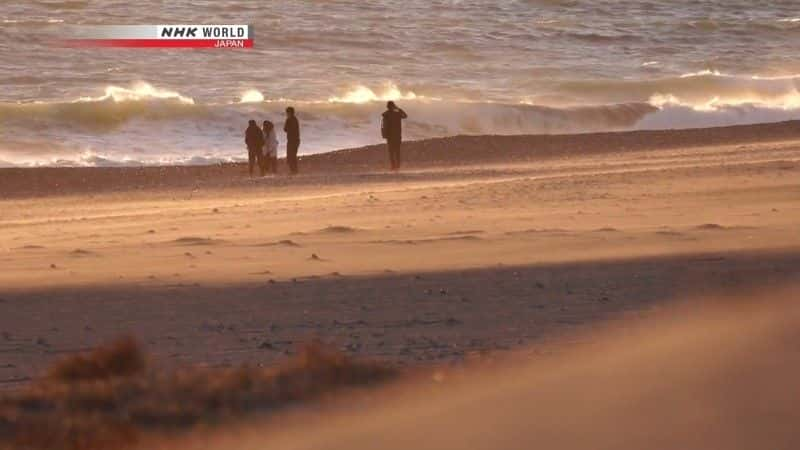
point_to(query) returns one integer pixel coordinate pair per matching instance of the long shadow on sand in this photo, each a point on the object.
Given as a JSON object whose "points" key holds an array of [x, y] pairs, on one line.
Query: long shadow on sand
{"points": [[402, 319]]}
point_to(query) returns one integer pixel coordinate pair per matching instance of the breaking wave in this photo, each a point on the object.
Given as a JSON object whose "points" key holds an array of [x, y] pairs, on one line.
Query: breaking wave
{"points": [[363, 94], [703, 91], [145, 125], [251, 96], [114, 108]]}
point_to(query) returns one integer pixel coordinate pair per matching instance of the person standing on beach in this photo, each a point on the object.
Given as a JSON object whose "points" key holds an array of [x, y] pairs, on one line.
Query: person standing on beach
{"points": [[270, 147], [292, 129], [392, 131], [254, 139]]}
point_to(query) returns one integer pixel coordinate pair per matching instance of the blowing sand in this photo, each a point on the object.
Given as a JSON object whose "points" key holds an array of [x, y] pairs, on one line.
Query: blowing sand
{"points": [[472, 251]]}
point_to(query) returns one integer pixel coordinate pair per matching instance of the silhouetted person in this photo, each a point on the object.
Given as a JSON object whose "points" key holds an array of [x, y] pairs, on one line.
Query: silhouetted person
{"points": [[254, 139], [270, 147], [392, 131], [292, 129]]}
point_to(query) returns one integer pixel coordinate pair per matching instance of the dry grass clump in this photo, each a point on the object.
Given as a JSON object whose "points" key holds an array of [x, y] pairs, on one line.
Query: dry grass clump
{"points": [[121, 358], [108, 398]]}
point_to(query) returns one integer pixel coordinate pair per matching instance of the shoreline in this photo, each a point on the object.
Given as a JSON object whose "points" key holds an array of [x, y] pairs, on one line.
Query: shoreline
{"points": [[486, 248], [437, 153]]}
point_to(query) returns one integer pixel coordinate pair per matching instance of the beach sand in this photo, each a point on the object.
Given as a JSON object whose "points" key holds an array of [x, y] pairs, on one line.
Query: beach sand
{"points": [[483, 245], [720, 374]]}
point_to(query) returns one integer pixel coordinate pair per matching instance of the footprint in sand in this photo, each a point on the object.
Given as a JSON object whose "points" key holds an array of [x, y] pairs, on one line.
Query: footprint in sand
{"points": [[538, 231], [427, 241], [711, 227], [315, 257], [265, 272], [717, 227], [283, 243], [196, 241], [461, 233], [606, 230], [30, 247], [339, 229]]}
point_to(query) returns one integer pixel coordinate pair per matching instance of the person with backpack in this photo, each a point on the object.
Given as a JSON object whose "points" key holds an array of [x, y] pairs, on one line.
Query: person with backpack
{"points": [[392, 131], [292, 129]]}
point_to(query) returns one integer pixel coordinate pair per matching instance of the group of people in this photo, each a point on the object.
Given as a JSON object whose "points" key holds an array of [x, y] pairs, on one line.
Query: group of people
{"points": [[262, 142]]}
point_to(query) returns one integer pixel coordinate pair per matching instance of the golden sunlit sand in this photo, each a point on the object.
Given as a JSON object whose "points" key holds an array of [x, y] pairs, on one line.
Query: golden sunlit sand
{"points": [[484, 247], [523, 224]]}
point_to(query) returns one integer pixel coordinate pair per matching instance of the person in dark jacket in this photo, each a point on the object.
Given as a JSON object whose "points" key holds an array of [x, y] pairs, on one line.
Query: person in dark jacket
{"points": [[254, 139], [292, 129], [392, 131]]}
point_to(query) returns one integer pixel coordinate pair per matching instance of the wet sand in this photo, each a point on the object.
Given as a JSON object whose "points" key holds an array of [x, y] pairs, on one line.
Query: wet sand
{"points": [[442, 154]]}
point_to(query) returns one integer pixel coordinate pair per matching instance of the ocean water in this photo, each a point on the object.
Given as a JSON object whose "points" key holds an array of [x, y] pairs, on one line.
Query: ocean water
{"points": [[456, 66]]}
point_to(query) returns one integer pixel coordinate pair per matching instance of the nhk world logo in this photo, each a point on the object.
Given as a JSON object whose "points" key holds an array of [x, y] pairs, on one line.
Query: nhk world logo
{"points": [[161, 36]]}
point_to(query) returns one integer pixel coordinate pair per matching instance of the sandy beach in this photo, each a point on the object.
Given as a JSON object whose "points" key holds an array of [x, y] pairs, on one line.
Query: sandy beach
{"points": [[441, 155], [233, 262], [717, 374], [589, 240], [483, 246]]}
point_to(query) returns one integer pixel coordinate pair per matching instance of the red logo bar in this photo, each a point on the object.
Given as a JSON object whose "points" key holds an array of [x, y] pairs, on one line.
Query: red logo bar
{"points": [[160, 43]]}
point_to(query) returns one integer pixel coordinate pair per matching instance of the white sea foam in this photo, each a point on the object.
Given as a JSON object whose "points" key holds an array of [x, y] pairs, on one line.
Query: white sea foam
{"points": [[145, 124], [139, 91], [251, 96], [512, 67], [363, 94]]}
